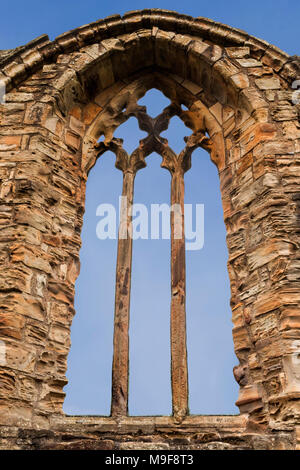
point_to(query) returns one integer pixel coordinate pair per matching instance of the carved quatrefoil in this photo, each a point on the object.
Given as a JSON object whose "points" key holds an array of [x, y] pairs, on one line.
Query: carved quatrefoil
{"points": [[154, 142]]}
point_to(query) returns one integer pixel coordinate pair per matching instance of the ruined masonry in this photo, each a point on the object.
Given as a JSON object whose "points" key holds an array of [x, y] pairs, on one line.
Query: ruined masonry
{"points": [[237, 95]]}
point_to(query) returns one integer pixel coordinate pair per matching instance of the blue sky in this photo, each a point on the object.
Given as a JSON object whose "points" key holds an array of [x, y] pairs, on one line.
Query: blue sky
{"points": [[275, 21], [210, 348]]}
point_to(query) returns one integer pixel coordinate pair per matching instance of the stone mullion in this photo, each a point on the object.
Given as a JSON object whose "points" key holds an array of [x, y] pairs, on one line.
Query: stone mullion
{"points": [[120, 369], [179, 371]]}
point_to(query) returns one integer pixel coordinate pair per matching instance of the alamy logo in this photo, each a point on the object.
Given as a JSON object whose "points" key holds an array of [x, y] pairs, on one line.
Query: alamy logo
{"points": [[296, 94], [2, 92], [153, 225]]}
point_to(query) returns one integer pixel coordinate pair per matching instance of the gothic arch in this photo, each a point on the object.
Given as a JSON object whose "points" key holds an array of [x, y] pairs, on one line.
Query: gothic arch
{"points": [[61, 96]]}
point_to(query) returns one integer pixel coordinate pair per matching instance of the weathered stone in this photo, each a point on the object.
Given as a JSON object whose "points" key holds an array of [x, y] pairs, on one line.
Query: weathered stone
{"points": [[250, 396], [240, 80], [249, 63], [268, 83], [65, 94], [238, 52]]}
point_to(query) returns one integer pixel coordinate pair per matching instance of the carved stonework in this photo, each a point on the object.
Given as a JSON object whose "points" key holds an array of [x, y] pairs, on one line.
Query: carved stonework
{"points": [[61, 97]]}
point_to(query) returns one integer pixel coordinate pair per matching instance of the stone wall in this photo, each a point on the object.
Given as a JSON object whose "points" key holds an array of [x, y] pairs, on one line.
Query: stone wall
{"points": [[61, 97]]}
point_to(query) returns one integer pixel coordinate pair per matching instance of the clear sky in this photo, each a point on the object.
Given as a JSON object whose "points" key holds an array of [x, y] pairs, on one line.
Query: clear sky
{"points": [[210, 348]]}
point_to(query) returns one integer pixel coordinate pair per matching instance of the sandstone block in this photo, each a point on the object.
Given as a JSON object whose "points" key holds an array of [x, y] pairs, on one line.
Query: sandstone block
{"points": [[268, 83]]}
